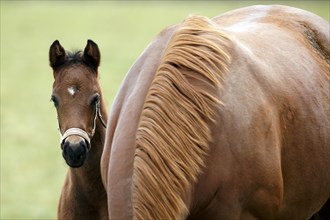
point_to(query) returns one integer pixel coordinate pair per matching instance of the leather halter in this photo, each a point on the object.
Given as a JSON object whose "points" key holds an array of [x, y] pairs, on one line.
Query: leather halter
{"points": [[82, 133]]}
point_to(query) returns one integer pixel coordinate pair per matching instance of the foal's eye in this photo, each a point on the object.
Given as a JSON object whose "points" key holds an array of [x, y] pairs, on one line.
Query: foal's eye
{"points": [[54, 100], [94, 100]]}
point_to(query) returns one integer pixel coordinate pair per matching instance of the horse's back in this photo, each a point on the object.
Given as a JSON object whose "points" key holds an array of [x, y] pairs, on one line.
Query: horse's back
{"points": [[271, 154], [286, 18]]}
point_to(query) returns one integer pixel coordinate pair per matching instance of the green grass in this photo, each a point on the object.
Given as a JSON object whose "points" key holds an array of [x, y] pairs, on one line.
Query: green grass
{"points": [[32, 168]]}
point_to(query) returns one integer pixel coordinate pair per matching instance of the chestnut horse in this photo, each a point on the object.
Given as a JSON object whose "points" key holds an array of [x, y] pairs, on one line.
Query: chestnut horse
{"points": [[77, 97], [224, 118]]}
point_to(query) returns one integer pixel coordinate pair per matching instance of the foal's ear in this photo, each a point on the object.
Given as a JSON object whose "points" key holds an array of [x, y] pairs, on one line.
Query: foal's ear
{"points": [[56, 54], [92, 54]]}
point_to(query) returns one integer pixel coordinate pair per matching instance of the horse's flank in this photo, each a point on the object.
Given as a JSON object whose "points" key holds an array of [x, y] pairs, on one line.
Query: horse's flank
{"points": [[178, 110]]}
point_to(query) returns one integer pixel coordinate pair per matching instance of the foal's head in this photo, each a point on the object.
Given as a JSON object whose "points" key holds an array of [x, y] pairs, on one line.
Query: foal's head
{"points": [[76, 96]]}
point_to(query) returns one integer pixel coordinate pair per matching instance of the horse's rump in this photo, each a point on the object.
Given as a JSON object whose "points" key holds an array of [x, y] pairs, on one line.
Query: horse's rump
{"points": [[218, 119]]}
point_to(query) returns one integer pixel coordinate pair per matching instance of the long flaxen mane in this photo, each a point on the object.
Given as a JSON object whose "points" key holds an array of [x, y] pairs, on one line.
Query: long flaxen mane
{"points": [[174, 134]]}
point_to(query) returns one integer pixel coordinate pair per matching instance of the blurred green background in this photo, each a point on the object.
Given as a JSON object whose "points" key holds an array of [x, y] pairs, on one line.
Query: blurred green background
{"points": [[32, 168]]}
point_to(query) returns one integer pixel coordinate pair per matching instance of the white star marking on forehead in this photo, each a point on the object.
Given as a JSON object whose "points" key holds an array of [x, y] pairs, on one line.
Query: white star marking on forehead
{"points": [[72, 91]]}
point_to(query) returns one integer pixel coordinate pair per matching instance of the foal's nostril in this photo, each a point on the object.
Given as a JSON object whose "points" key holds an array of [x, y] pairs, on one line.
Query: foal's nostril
{"points": [[65, 147], [83, 144]]}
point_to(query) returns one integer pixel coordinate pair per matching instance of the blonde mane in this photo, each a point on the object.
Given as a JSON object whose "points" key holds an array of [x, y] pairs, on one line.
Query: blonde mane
{"points": [[173, 135]]}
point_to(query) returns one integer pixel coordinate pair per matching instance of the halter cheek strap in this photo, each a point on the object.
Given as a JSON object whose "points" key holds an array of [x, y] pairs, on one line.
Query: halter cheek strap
{"points": [[75, 131]]}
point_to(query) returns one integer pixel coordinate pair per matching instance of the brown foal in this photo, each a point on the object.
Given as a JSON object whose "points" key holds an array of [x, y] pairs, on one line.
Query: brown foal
{"points": [[77, 97]]}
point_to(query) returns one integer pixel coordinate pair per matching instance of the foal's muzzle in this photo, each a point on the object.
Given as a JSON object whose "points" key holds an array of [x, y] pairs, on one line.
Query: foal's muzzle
{"points": [[75, 144]]}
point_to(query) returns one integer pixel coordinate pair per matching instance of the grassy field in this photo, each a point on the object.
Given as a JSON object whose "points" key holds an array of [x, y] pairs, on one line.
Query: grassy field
{"points": [[32, 168]]}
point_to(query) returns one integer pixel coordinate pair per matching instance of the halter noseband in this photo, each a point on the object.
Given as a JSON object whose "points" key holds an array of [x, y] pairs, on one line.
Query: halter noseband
{"points": [[75, 131], [82, 133]]}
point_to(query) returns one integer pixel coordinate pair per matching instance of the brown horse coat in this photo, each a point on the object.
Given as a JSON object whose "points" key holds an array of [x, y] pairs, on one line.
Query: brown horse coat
{"points": [[253, 85]]}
